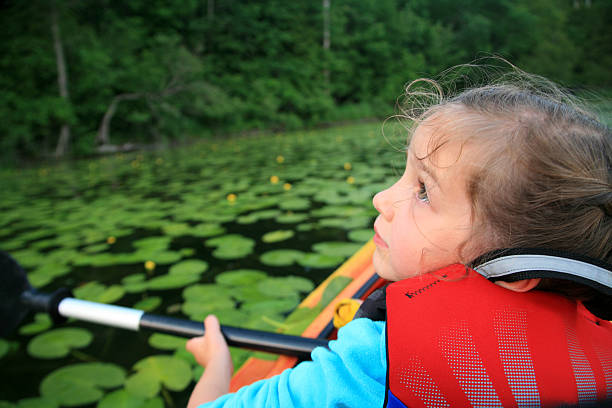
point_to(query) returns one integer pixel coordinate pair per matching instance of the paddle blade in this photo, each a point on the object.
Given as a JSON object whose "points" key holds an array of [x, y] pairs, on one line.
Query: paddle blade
{"points": [[13, 282]]}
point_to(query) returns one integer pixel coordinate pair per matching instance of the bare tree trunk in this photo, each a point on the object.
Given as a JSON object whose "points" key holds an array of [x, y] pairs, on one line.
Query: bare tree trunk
{"points": [[103, 136], [211, 9], [62, 79], [326, 38]]}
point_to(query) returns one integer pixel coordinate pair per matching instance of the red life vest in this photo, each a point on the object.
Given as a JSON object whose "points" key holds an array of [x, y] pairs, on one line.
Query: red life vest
{"points": [[456, 339]]}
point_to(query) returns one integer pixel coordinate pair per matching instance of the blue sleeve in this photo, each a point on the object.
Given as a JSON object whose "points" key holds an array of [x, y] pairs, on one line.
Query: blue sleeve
{"points": [[352, 373]]}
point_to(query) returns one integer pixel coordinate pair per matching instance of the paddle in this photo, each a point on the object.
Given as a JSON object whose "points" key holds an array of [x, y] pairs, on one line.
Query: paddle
{"points": [[17, 298]]}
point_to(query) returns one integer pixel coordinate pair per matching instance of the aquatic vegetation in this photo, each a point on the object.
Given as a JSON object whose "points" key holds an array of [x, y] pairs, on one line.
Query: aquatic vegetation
{"points": [[243, 234]]}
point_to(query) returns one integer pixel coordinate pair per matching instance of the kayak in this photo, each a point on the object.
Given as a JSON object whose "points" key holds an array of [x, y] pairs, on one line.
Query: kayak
{"points": [[316, 314]]}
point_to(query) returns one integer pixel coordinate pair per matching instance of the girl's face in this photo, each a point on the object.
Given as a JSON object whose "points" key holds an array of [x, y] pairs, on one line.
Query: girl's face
{"points": [[426, 215]]}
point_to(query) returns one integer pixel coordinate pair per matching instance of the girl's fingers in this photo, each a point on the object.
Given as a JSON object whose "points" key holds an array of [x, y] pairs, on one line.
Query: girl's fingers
{"points": [[193, 344], [212, 323], [213, 329]]}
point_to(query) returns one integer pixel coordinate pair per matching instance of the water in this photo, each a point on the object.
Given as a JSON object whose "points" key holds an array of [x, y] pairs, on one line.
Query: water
{"points": [[65, 216]]}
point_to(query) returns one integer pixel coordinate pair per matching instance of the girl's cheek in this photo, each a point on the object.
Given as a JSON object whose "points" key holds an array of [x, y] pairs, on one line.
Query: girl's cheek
{"points": [[419, 209]]}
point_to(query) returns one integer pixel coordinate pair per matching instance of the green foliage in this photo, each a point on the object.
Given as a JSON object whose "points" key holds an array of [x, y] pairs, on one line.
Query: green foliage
{"points": [[4, 347], [176, 73], [81, 384], [58, 343], [155, 371]]}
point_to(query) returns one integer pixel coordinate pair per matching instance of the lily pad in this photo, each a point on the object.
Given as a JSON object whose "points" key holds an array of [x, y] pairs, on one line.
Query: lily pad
{"points": [[277, 236], [299, 319], [291, 218], [166, 341], [202, 292], [361, 235], [273, 306], [346, 223], [240, 277], [152, 243], [134, 278], [189, 267], [345, 249], [248, 293], [173, 281], [29, 258], [148, 304], [81, 384], [247, 219], [206, 230], [58, 343], [306, 227], [284, 287], [4, 347], [97, 292], [38, 280], [52, 269], [121, 399], [281, 257], [136, 287], [162, 258], [176, 229], [40, 402], [333, 288], [295, 204], [231, 246], [92, 249], [197, 310], [265, 214], [320, 260], [152, 372]]}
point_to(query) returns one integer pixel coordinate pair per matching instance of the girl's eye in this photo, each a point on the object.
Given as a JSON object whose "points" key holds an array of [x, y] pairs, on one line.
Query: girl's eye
{"points": [[422, 194]]}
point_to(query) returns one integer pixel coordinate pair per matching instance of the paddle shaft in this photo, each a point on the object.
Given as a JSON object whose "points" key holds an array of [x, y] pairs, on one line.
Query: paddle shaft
{"points": [[132, 319]]}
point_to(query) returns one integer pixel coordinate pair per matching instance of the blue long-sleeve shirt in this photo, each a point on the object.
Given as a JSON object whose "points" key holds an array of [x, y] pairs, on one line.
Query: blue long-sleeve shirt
{"points": [[351, 373]]}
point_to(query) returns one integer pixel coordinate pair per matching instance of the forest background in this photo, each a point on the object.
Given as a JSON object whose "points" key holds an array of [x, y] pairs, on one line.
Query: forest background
{"points": [[80, 77]]}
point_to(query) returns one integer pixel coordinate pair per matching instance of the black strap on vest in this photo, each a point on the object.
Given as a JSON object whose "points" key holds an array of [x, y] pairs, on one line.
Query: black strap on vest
{"points": [[375, 306]]}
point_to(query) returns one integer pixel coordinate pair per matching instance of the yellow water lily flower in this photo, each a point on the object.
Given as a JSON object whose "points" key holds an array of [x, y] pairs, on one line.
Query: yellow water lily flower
{"points": [[280, 159], [287, 186], [274, 179], [149, 265], [231, 197], [347, 166], [350, 179], [111, 240]]}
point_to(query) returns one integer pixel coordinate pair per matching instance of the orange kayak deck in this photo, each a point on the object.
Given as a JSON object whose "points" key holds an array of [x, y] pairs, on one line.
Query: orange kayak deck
{"points": [[359, 269]]}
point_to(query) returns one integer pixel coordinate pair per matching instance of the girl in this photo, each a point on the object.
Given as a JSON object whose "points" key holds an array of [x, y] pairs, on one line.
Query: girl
{"points": [[498, 235]]}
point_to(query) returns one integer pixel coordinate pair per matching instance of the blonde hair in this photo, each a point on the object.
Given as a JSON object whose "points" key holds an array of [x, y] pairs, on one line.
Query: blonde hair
{"points": [[544, 178]]}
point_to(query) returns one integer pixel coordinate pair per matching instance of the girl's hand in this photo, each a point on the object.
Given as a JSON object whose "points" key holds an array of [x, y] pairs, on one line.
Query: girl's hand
{"points": [[212, 346], [212, 353]]}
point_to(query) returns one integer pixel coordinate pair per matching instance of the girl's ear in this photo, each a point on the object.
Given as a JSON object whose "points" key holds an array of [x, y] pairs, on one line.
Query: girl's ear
{"points": [[521, 285]]}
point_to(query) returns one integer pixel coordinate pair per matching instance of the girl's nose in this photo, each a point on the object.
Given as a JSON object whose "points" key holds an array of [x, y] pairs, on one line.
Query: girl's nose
{"points": [[383, 204]]}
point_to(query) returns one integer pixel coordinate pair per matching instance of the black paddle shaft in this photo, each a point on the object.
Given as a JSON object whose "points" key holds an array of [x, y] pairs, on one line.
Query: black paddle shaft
{"points": [[235, 336], [18, 298]]}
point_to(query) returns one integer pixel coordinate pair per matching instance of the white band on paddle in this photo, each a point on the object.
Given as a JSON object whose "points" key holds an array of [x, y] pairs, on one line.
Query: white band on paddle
{"points": [[109, 315]]}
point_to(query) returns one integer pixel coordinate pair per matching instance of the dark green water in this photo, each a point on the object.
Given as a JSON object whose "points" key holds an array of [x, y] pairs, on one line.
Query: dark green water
{"points": [[58, 222]]}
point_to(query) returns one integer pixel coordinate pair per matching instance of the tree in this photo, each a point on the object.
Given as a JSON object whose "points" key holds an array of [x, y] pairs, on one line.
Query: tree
{"points": [[178, 72], [326, 38], [62, 79]]}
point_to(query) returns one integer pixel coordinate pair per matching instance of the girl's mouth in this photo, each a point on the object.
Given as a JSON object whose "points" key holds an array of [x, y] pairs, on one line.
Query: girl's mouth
{"points": [[379, 241]]}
